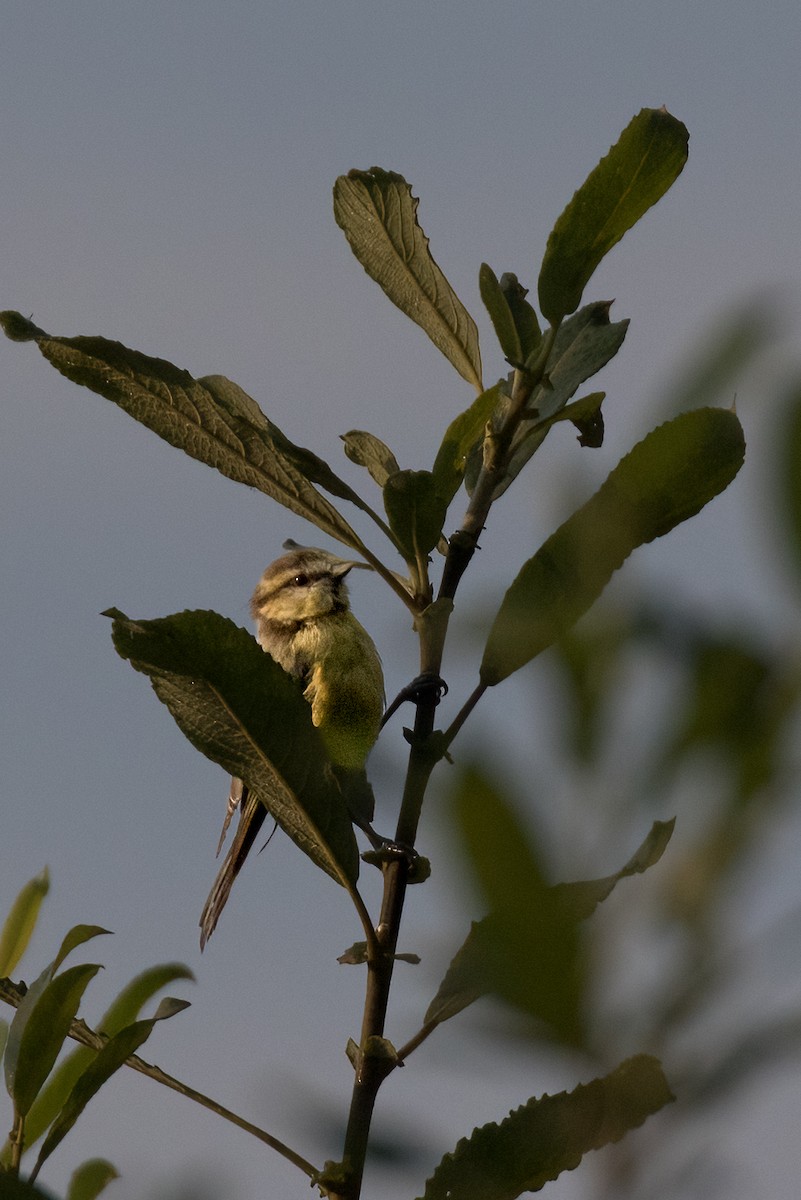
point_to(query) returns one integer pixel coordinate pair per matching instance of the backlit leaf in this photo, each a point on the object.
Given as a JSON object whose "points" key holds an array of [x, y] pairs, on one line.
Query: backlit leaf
{"points": [[463, 433], [21, 922], [549, 1135], [240, 709], [90, 1179], [667, 478], [583, 345], [378, 215], [416, 512], [370, 452], [43, 1032], [123, 1011], [104, 1064], [637, 171], [210, 419]]}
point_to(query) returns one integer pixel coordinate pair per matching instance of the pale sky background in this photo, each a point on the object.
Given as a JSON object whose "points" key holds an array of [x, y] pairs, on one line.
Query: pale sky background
{"points": [[166, 181]]}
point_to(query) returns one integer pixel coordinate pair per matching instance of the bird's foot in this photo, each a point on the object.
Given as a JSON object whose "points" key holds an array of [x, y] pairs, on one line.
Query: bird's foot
{"points": [[420, 687]]}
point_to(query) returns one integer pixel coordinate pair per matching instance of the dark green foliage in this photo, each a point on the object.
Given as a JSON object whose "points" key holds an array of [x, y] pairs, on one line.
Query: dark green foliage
{"points": [[665, 479], [240, 709], [549, 1135], [636, 172]]}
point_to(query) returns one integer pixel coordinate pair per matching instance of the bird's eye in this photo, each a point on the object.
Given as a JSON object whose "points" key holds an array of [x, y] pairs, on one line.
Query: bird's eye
{"points": [[300, 580]]}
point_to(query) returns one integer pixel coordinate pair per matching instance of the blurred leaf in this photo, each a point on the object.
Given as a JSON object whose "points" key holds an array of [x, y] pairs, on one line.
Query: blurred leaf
{"points": [[740, 699], [752, 1050], [12, 1188], [582, 899], [531, 922], [637, 171], [91, 1178], [788, 474], [103, 1065], [547, 1136], [366, 450], [4, 1027], [239, 708], [77, 936], [21, 922], [416, 512], [128, 1004], [589, 659], [514, 320], [667, 478], [712, 371], [463, 433], [210, 419], [36, 1037], [123, 1011], [377, 212], [527, 950], [584, 344]]}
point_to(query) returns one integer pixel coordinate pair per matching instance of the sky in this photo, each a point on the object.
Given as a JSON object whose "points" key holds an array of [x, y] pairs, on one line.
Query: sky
{"points": [[166, 181]]}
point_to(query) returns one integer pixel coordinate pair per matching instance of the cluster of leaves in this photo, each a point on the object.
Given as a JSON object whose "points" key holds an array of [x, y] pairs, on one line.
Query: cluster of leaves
{"points": [[47, 1099], [214, 678]]}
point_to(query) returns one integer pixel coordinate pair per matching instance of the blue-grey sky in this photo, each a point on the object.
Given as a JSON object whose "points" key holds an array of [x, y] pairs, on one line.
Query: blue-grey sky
{"points": [[166, 181]]}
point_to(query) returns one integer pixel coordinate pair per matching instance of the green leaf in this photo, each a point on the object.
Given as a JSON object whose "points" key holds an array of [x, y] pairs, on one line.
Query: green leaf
{"points": [[91, 1178], [366, 450], [240, 406], [788, 476], [637, 171], [20, 1189], [583, 345], [739, 701], [513, 319], [123, 1011], [36, 1039], [77, 936], [583, 898], [210, 419], [103, 1065], [667, 478], [463, 433], [21, 922], [525, 319], [500, 314], [527, 951], [547, 1136], [587, 417], [377, 212], [416, 512], [240, 709], [479, 967]]}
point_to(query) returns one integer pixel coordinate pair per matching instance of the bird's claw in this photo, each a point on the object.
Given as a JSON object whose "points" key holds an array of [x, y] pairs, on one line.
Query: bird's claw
{"points": [[420, 687], [390, 851]]}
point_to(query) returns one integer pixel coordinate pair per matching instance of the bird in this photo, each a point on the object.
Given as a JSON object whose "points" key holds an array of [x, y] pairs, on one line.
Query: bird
{"points": [[303, 621]]}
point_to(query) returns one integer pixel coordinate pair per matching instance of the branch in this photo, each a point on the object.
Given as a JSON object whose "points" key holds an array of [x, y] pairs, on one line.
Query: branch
{"points": [[13, 993]]}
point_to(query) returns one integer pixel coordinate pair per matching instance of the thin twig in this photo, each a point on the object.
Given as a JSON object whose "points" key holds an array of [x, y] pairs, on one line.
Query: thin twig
{"points": [[12, 994], [463, 713]]}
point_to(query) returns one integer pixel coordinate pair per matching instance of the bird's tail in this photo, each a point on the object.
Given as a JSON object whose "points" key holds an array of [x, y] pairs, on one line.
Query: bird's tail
{"points": [[251, 818]]}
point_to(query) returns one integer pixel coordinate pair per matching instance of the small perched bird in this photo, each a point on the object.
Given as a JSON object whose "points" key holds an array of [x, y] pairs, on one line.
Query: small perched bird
{"points": [[303, 620]]}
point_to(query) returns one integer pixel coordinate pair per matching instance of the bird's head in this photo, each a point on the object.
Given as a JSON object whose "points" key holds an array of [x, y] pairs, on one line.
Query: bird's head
{"points": [[303, 585]]}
